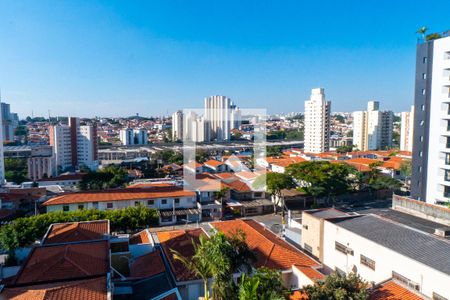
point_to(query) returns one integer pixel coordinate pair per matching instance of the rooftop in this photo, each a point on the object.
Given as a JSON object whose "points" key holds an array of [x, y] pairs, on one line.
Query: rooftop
{"points": [[62, 262], [271, 251], [147, 265], [181, 241], [76, 232], [92, 289], [417, 245], [327, 213], [121, 195], [390, 290]]}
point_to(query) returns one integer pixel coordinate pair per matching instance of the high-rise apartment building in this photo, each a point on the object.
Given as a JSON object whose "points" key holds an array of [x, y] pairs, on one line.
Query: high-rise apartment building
{"points": [[221, 116], [177, 126], [317, 122], [406, 130], [126, 136], [194, 127], [74, 145], [129, 136], [431, 144], [10, 122], [372, 129]]}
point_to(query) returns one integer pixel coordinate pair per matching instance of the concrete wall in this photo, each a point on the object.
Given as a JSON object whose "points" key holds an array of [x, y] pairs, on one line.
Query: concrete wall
{"points": [[312, 234], [421, 209]]}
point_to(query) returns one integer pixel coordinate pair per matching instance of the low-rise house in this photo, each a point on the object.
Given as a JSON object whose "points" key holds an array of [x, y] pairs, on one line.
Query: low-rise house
{"points": [[297, 268], [214, 166], [174, 203]]}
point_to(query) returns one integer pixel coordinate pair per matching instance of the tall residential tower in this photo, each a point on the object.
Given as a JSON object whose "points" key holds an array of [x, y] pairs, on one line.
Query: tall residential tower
{"points": [[317, 122], [431, 144], [372, 129]]}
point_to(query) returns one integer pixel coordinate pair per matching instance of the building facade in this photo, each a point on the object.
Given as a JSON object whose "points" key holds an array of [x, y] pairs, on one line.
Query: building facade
{"points": [[372, 129], [407, 130], [74, 145], [431, 142], [221, 116], [177, 126], [2, 159], [9, 123], [317, 122]]}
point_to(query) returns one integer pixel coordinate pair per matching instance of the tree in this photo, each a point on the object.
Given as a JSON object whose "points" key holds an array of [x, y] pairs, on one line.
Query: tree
{"points": [[22, 232], [106, 178], [248, 289], [339, 287], [273, 151], [220, 195], [322, 178], [274, 183], [406, 170], [377, 181], [16, 170], [199, 264], [344, 149]]}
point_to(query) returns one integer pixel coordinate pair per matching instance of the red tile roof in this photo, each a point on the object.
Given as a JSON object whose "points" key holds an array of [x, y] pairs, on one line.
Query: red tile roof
{"points": [[76, 232], [391, 290], [239, 186], [140, 238], [89, 289], [61, 262], [271, 251], [284, 161], [181, 241], [213, 163], [121, 195], [147, 265]]}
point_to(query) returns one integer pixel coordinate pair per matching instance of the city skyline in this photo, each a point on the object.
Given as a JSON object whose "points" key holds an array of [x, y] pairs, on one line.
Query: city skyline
{"points": [[157, 58]]}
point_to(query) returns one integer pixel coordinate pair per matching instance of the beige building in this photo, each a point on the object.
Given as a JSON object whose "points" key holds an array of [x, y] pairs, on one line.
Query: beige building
{"points": [[317, 122]]}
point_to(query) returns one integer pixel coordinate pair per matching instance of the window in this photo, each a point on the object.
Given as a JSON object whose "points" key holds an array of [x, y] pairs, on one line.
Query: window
{"points": [[150, 202], [258, 194], [423, 91], [164, 201], [367, 262], [424, 60], [406, 281], [308, 248], [436, 296], [424, 75], [109, 205], [136, 203], [66, 208], [81, 207], [446, 192], [342, 248], [423, 107], [447, 175], [177, 200]]}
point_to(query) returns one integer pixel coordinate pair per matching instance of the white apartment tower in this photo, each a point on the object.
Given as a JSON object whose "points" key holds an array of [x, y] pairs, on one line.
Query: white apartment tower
{"points": [[126, 136], [407, 130], [431, 147], [372, 129], [194, 127], [317, 122], [177, 126], [221, 116], [74, 145]]}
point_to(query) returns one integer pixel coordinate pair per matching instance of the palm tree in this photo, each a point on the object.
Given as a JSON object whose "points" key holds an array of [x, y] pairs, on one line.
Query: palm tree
{"points": [[422, 30], [199, 265]]}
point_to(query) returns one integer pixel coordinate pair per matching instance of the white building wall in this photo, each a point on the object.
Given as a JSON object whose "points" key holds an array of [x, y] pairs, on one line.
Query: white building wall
{"points": [[126, 136], [85, 147], [438, 124], [386, 261], [177, 126], [359, 129], [2, 159], [62, 147]]}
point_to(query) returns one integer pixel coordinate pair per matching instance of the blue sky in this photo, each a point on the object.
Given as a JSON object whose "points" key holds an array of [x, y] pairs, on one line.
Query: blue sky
{"points": [[117, 58]]}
